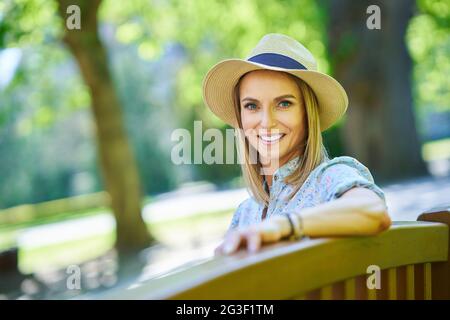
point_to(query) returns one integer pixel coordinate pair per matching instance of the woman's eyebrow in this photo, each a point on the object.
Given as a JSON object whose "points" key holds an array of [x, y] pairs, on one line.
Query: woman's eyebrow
{"points": [[285, 96]]}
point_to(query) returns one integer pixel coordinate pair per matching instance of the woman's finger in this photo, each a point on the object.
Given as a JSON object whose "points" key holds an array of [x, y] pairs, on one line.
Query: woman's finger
{"points": [[232, 242], [219, 250], [253, 239]]}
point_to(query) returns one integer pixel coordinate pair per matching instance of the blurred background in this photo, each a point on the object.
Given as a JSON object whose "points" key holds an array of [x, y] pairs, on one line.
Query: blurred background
{"points": [[86, 117]]}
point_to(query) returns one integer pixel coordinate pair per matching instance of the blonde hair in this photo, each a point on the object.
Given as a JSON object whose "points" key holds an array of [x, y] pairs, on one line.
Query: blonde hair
{"points": [[313, 151]]}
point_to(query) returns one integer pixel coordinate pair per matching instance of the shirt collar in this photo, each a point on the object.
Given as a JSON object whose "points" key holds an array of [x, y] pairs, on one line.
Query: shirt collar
{"points": [[284, 171]]}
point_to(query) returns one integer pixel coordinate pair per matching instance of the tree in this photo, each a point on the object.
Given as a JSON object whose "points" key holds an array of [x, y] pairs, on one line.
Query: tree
{"points": [[375, 69], [116, 158]]}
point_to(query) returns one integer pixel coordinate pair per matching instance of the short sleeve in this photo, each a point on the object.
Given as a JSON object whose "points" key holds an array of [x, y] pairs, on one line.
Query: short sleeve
{"points": [[235, 219], [341, 174]]}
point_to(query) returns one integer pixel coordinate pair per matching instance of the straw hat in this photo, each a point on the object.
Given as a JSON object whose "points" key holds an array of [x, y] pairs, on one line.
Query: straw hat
{"points": [[280, 53]]}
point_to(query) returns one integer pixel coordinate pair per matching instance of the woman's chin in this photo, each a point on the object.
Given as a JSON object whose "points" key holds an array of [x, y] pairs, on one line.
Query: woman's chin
{"points": [[270, 157]]}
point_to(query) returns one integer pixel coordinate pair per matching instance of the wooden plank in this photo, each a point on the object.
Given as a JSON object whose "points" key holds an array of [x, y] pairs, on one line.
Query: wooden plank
{"points": [[410, 282], [371, 294], [392, 284], [419, 281], [339, 290], [401, 283], [361, 287], [427, 281], [300, 297], [313, 295], [383, 292], [326, 293], [440, 270], [350, 292]]}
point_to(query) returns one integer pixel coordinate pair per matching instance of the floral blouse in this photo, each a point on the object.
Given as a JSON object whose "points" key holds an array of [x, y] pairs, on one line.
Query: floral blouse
{"points": [[326, 182]]}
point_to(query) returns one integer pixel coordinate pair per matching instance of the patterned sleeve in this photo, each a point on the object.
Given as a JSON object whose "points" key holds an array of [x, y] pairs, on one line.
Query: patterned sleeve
{"points": [[341, 174], [235, 220]]}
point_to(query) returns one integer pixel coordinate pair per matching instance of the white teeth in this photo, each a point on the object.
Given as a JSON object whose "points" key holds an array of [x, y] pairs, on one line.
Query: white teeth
{"points": [[271, 138]]}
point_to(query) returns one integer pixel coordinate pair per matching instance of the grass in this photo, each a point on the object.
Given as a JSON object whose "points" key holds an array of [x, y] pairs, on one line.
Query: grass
{"points": [[436, 150], [63, 216], [62, 254]]}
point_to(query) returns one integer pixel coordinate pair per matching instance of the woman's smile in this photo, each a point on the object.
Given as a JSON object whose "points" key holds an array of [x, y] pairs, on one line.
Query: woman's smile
{"points": [[271, 139]]}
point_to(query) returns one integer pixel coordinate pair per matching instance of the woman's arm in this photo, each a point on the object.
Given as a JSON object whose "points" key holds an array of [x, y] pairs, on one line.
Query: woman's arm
{"points": [[357, 212]]}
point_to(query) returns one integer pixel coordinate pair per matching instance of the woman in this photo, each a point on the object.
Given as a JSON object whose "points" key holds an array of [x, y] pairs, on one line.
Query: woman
{"points": [[279, 103]]}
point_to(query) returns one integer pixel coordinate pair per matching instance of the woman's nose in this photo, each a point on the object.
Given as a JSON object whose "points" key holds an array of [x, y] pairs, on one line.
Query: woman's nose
{"points": [[268, 118]]}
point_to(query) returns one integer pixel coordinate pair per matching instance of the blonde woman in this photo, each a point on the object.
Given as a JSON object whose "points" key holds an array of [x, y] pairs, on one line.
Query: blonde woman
{"points": [[280, 104]]}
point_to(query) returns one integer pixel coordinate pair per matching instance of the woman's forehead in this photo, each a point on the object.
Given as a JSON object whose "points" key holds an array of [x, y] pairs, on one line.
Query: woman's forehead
{"points": [[273, 82]]}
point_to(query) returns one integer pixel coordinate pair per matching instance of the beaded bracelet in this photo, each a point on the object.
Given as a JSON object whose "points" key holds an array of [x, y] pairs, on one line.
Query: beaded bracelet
{"points": [[296, 226], [291, 224]]}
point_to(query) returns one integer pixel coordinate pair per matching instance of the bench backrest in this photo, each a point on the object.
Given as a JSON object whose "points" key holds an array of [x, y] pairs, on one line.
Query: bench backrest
{"points": [[412, 258]]}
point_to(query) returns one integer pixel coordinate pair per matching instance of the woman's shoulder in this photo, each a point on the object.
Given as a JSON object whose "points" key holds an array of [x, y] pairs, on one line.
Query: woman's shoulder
{"points": [[334, 177], [341, 166]]}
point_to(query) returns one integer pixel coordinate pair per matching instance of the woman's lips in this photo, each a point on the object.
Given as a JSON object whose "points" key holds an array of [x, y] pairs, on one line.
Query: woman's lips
{"points": [[271, 139]]}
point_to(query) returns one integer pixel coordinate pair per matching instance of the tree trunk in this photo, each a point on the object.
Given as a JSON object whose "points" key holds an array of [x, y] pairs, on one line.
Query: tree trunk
{"points": [[375, 69], [116, 159]]}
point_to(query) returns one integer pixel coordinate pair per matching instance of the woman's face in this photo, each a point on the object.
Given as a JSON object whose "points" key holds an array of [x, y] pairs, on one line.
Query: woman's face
{"points": [[273, 115]]}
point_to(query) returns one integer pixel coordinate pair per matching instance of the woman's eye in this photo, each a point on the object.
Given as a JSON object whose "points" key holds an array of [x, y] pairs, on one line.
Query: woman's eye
{"points": [[285, 104], [250, 106]]}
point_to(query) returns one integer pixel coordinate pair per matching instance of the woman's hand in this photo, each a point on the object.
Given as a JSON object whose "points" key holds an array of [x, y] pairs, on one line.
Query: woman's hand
{"points": [[254, 236], [359, 212]]}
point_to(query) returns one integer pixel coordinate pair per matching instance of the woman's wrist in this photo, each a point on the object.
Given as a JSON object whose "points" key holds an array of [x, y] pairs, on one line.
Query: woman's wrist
{"points": [[289, 225], [282, 225], [296, 223]]}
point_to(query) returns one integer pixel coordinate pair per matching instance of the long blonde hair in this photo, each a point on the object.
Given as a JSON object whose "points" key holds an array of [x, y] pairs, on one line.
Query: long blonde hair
{"points": [[313, 151]]}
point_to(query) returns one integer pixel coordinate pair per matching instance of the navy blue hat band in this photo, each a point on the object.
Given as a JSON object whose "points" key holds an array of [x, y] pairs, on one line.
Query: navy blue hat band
{"points": [[277, 60]]}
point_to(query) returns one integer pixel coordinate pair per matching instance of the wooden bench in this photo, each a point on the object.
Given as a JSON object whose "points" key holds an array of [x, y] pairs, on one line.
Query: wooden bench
{"points": [[412, 256]]}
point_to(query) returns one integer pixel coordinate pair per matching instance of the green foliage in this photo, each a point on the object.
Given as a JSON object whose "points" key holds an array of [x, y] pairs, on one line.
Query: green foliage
{"points": [[429, 44], [27, 22], [46, 134]]}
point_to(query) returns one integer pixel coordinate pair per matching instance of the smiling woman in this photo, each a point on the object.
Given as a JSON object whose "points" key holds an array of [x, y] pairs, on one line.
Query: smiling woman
{"points": [[279, 104]]}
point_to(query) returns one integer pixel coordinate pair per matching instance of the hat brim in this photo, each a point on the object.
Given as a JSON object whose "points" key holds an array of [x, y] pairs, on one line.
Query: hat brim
{"points": [[221, 79]]}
